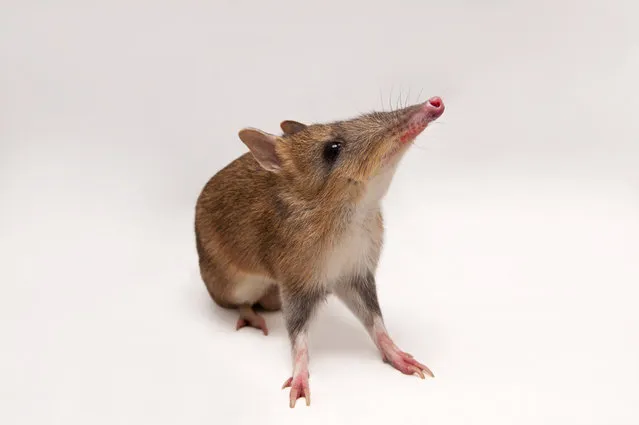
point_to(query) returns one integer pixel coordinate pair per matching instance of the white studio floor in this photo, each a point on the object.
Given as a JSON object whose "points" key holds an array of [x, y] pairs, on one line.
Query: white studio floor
{"points": [[511, 265]]}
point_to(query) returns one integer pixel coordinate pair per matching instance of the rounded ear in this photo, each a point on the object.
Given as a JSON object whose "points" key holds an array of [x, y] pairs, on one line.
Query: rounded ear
{"points": [[262, 146], [291, 127]]}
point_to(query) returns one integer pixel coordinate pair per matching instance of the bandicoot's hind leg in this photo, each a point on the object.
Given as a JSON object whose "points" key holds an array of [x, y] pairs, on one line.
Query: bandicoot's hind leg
{"points": [[241, 293], [270, 301], [248, 317]]}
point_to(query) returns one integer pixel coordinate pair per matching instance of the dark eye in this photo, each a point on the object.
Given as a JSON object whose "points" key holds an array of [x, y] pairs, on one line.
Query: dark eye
{"points": [[331, 151]]}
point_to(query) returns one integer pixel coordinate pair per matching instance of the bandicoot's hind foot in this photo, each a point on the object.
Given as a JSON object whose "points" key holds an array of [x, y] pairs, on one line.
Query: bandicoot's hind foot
{"points": [[248, 317]]}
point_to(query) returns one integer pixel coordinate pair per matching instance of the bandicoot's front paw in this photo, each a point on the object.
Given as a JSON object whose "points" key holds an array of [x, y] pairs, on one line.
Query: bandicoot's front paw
{"points": [[406, 364], [400, 360], [299, 388]]}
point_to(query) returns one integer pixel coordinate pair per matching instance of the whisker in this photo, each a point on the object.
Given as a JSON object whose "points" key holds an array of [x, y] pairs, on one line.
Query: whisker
{"points": [[422, 148], [419, 96]]}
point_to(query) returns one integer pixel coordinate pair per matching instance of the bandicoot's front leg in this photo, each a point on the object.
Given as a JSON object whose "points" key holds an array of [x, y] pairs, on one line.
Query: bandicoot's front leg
{"points": [[299, 306], [299, 381], [359, 293]]}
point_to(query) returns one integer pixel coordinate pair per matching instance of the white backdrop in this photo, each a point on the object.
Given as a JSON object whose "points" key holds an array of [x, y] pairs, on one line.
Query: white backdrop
{"points": [[512, 257]]}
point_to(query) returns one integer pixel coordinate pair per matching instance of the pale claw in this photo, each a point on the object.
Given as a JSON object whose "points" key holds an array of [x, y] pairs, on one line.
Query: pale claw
{"points": [[418, 371], [409, 366], [421, 368]]}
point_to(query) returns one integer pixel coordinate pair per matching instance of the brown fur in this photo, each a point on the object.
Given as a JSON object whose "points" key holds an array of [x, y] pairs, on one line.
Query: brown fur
{"points": [[276, 227]]}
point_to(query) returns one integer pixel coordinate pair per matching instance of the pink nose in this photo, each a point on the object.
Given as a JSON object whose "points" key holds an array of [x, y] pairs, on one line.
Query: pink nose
{"points": [[434, 107], [435, 102]]}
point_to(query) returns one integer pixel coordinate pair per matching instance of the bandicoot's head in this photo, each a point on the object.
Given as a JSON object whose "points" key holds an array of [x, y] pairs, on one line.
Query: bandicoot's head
{"points": [[323, 159]]}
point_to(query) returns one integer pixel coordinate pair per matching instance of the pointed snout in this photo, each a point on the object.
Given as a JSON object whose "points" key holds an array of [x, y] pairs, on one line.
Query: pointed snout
{"points": [[421, 116], [434, 107]]}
